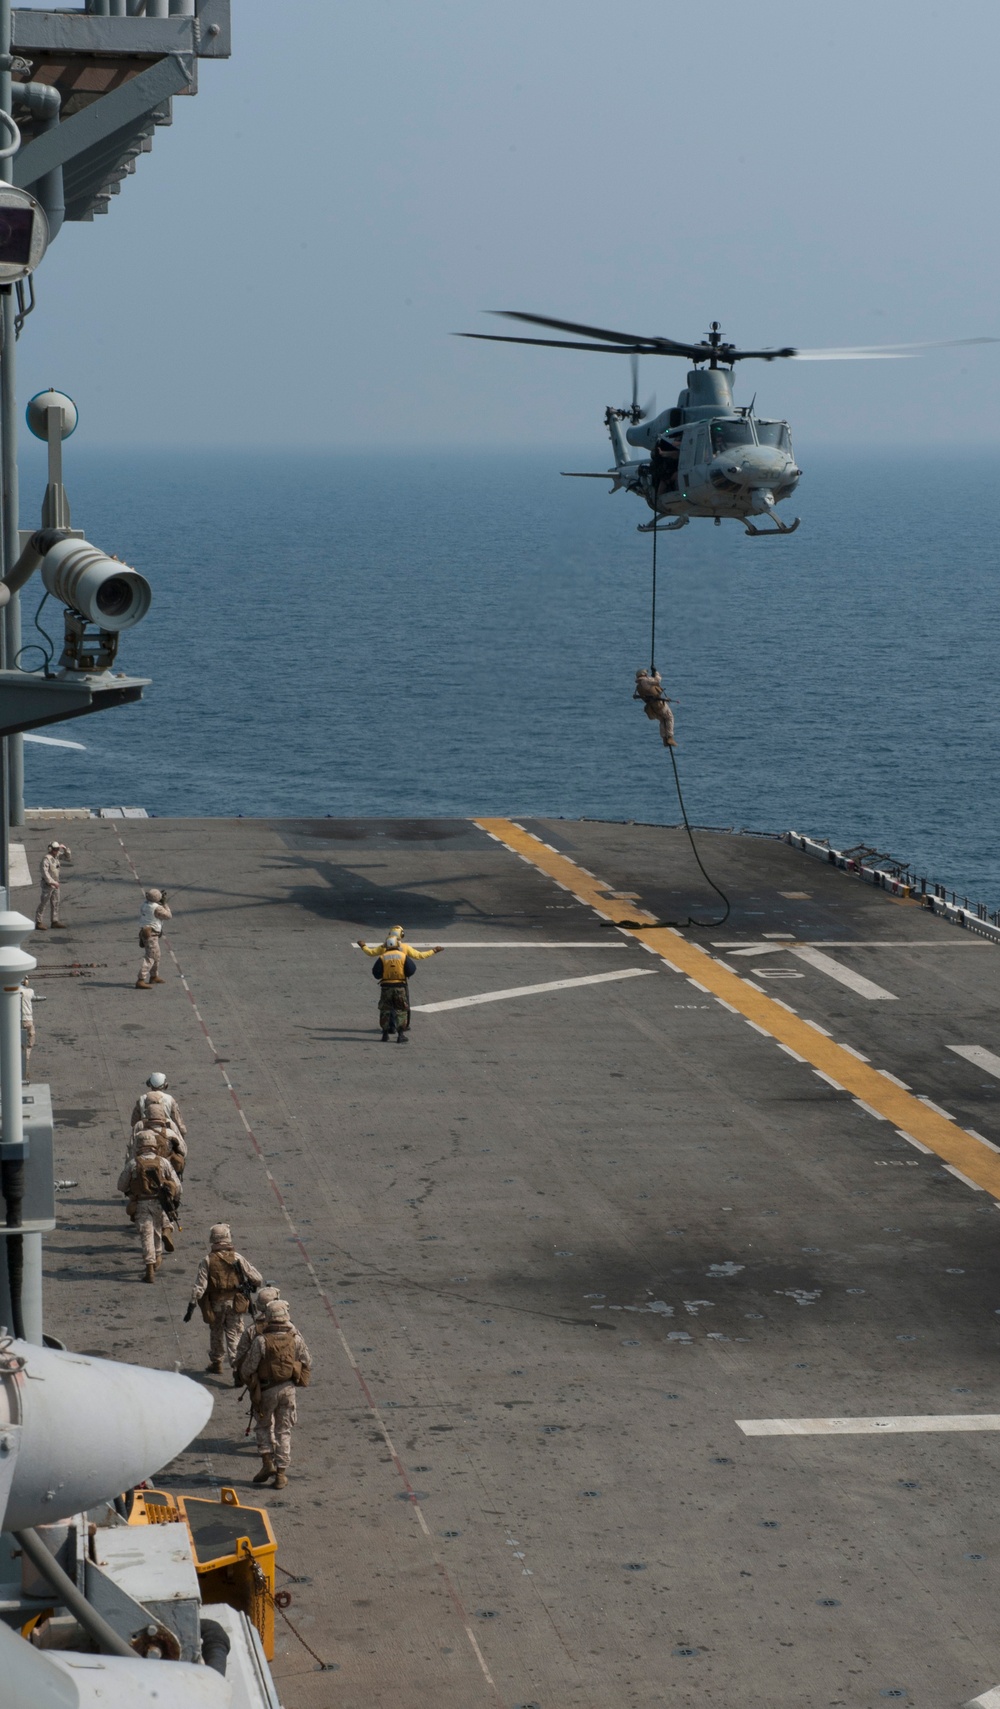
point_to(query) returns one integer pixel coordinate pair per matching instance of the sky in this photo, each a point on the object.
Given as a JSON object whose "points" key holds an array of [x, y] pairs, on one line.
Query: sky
{"points": [[360, 181]]}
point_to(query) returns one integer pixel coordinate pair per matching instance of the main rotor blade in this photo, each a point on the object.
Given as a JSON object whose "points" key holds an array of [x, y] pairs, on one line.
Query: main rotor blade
{"points": [[628, 339], [633, 363], [883, 352], [562, 344]]}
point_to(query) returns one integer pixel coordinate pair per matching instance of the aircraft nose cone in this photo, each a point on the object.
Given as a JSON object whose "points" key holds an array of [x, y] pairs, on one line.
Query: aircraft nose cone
{"points": [[754, 466]]}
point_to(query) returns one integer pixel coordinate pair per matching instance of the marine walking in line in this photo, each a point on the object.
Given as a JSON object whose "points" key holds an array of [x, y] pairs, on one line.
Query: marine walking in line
{"points": [[649, 689], [276, 1363], [153, 1193], [395, 962], [49, 895], [157, 1106], [223, 1287], [152, 913], [262, 1299], [166, 1142]]}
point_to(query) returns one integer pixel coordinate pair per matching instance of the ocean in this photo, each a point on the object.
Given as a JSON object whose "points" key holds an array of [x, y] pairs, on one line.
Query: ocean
{"points": [[453, 633]]}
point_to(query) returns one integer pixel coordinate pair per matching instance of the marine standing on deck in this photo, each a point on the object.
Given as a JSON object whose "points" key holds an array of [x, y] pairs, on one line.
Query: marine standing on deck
{"points": [[276, 1364], [152, 914], [28, 1000], [49, 894], [649, 689], [153, 1192], [222, 1288], [393, 975]]}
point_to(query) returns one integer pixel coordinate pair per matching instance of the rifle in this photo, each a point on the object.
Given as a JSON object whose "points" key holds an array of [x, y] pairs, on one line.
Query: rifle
{"points": [[169, 1205], [246, 1286]]}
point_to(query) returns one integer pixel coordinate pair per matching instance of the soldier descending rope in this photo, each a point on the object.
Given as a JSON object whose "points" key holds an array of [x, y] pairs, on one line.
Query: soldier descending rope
{"points": [[649, 689]]}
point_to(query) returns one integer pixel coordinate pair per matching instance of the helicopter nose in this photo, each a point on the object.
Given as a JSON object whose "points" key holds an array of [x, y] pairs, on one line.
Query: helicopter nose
{"points": [[755, 466]]}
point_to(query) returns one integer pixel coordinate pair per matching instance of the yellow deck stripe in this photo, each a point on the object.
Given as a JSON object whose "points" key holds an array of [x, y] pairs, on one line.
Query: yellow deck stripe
{"points": [[948, 1141]]}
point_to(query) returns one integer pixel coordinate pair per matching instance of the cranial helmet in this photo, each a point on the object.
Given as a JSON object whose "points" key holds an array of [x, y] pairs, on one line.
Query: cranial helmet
{"points": [[219, 1234], [157, 1082], [392, 941], [153, 895]]}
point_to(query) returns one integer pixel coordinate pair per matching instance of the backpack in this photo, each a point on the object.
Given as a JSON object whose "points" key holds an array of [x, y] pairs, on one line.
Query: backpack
{"points": [[279, 1364], [223, 1274], [150, 1180], [156, 1110]]}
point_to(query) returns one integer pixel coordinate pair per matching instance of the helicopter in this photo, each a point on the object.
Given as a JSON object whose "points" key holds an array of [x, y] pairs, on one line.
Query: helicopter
{"points": [[707, 456]]}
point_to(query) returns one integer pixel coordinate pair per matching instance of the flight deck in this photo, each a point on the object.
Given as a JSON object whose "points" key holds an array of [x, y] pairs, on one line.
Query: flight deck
{"points": [[613, 1277]]}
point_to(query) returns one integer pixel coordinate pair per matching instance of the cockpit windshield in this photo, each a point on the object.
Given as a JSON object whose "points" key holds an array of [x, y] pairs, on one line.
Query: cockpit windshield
{"points": [[774, 433], [728, 433]]}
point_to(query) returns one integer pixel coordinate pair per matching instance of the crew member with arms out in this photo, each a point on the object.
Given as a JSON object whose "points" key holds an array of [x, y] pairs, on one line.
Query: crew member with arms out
{"points": [[222, 1288], [152, 913], [49, 894], [649, 689], [276, 1364], [393, 975], [153, 1194]]}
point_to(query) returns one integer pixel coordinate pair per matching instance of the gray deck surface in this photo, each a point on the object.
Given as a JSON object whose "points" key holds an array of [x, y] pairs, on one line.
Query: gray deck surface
{"points": [[507, 1245]]}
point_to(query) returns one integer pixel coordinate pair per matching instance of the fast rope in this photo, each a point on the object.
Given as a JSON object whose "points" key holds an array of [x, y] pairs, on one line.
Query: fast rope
{"points": [[673, 756]]}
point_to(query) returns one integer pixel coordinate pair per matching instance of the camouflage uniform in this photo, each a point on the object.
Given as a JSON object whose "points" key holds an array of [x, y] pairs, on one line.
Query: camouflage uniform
{"points": [[394, 990], [152, 911], [155, 1108], [276, 1349], [49, 875], [219, 1291], [649, 689], [141, 1180], [263, 1298]]}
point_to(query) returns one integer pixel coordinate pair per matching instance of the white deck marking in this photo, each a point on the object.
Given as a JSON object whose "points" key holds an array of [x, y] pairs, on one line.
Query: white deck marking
{"points": [[987, 1700], [931, 1105], [979, 1057], [534, 990], [20, 871], [500, 943], [974, 1134], [963, 1178], [869, 1426], [843, 975], [747, 947]]}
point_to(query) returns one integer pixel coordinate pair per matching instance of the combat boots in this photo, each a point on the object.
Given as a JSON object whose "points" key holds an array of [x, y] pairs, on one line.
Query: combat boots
{"points": [[168, 1240], [142, 985], [214, 1365], [266, 1470], [280, 1480], [150, 1275]]}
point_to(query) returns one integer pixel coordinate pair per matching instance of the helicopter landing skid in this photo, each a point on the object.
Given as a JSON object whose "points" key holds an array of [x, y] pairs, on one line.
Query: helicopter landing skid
{"points": [[655, 527], [769, 533]]}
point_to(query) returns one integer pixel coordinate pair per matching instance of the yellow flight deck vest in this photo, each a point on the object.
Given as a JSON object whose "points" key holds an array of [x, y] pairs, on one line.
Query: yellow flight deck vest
{"points": [[393, 967]]}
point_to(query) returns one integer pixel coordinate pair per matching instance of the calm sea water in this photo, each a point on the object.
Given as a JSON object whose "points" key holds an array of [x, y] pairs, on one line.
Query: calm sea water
{"points": [[453, 634]]}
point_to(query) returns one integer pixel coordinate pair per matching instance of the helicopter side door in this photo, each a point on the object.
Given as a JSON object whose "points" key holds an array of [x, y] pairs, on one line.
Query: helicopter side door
{"points": [[695, 458]]}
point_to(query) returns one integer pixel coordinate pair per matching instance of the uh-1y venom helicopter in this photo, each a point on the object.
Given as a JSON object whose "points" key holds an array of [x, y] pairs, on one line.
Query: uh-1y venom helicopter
{"points": [[707, 456]]}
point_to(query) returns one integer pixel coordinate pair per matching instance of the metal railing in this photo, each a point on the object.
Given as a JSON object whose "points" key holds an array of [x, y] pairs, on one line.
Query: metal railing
{"points": [[899, 879]]}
